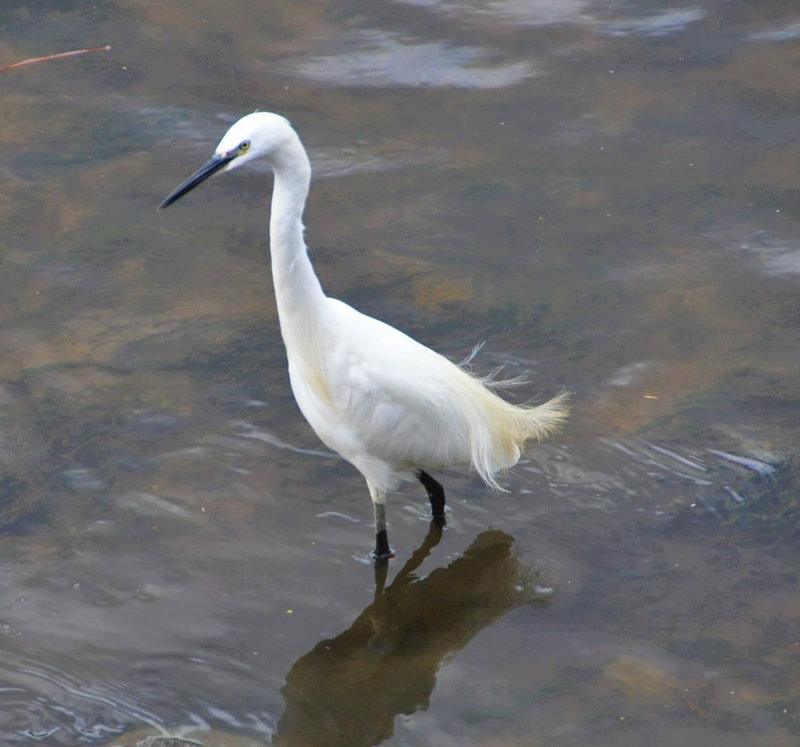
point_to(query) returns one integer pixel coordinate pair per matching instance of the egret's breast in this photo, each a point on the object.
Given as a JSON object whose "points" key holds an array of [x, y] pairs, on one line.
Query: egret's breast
{"points": [[315, 400]]}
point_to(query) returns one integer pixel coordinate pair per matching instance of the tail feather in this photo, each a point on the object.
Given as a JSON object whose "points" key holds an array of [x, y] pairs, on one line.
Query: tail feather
{"points": [[480, 427], [498, 441], [495, 379]]}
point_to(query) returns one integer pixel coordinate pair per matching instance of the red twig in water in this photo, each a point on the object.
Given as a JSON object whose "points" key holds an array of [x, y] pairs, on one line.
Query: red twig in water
{"points": [[692, 705], [58, 56]]}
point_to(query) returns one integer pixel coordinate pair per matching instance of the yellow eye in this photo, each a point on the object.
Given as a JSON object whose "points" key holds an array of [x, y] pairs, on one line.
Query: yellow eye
{"points": [[244, 145]]}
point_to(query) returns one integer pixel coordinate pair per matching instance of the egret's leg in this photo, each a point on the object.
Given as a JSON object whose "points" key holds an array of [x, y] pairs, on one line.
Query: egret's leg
{"points": [[381, 538], [435, 494]]}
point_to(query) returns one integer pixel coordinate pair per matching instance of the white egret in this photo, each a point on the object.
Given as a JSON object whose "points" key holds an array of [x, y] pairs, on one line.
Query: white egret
{"points": [[390, 406]]}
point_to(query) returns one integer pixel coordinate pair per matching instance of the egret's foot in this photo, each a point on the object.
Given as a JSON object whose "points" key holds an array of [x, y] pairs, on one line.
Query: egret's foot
{"points": [[381, 558], [382, 550]]}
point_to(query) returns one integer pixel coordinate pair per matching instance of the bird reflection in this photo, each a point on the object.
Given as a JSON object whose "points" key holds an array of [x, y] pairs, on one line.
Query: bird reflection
{"points": [[348, 690]]}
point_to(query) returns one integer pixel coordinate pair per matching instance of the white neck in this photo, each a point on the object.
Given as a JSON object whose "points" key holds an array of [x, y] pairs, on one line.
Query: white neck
{"points": [[297, 289]]}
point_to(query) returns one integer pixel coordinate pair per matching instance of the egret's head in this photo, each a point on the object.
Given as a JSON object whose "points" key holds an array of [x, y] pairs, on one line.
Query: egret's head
{"points": [[257, 135]]}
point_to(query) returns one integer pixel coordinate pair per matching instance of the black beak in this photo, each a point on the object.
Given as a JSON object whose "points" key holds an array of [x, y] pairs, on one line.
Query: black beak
{"points": [[210, 167]]}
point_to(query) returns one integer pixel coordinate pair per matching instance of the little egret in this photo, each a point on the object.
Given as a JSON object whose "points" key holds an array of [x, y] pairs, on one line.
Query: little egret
{"points": [[390, 406]]}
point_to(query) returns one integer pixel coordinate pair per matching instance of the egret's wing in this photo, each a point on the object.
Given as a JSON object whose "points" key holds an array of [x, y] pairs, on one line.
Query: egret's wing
{"points": [[399, 397]]}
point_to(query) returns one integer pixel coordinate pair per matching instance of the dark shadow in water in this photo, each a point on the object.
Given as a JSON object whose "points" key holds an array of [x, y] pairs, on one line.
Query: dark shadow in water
{"points": [[348, 690]]}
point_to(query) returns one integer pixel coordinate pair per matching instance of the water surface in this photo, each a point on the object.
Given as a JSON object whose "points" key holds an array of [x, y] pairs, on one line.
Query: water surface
{"points": [[603, 192]]}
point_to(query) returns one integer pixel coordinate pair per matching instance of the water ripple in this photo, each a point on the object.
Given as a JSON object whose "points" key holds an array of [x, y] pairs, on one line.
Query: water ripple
{"points": [[658, 24], [785, 33], [374, 58], [57, 706], [772, 255]]}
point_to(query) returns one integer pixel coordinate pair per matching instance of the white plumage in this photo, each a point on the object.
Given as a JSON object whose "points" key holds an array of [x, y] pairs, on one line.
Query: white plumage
{"points": [[390, 406]]}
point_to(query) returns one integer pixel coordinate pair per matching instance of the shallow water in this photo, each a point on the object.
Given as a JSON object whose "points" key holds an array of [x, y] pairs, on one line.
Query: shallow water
{"points": [[604, 192]]}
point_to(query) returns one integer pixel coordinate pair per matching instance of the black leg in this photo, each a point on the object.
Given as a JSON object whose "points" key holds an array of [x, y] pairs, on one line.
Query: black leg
{"points": [[382, 550], [435, 495], [382, 545]]}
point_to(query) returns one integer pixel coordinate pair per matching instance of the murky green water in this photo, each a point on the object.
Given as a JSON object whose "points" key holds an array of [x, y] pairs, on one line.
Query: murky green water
{"points": [[606, 192]]}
